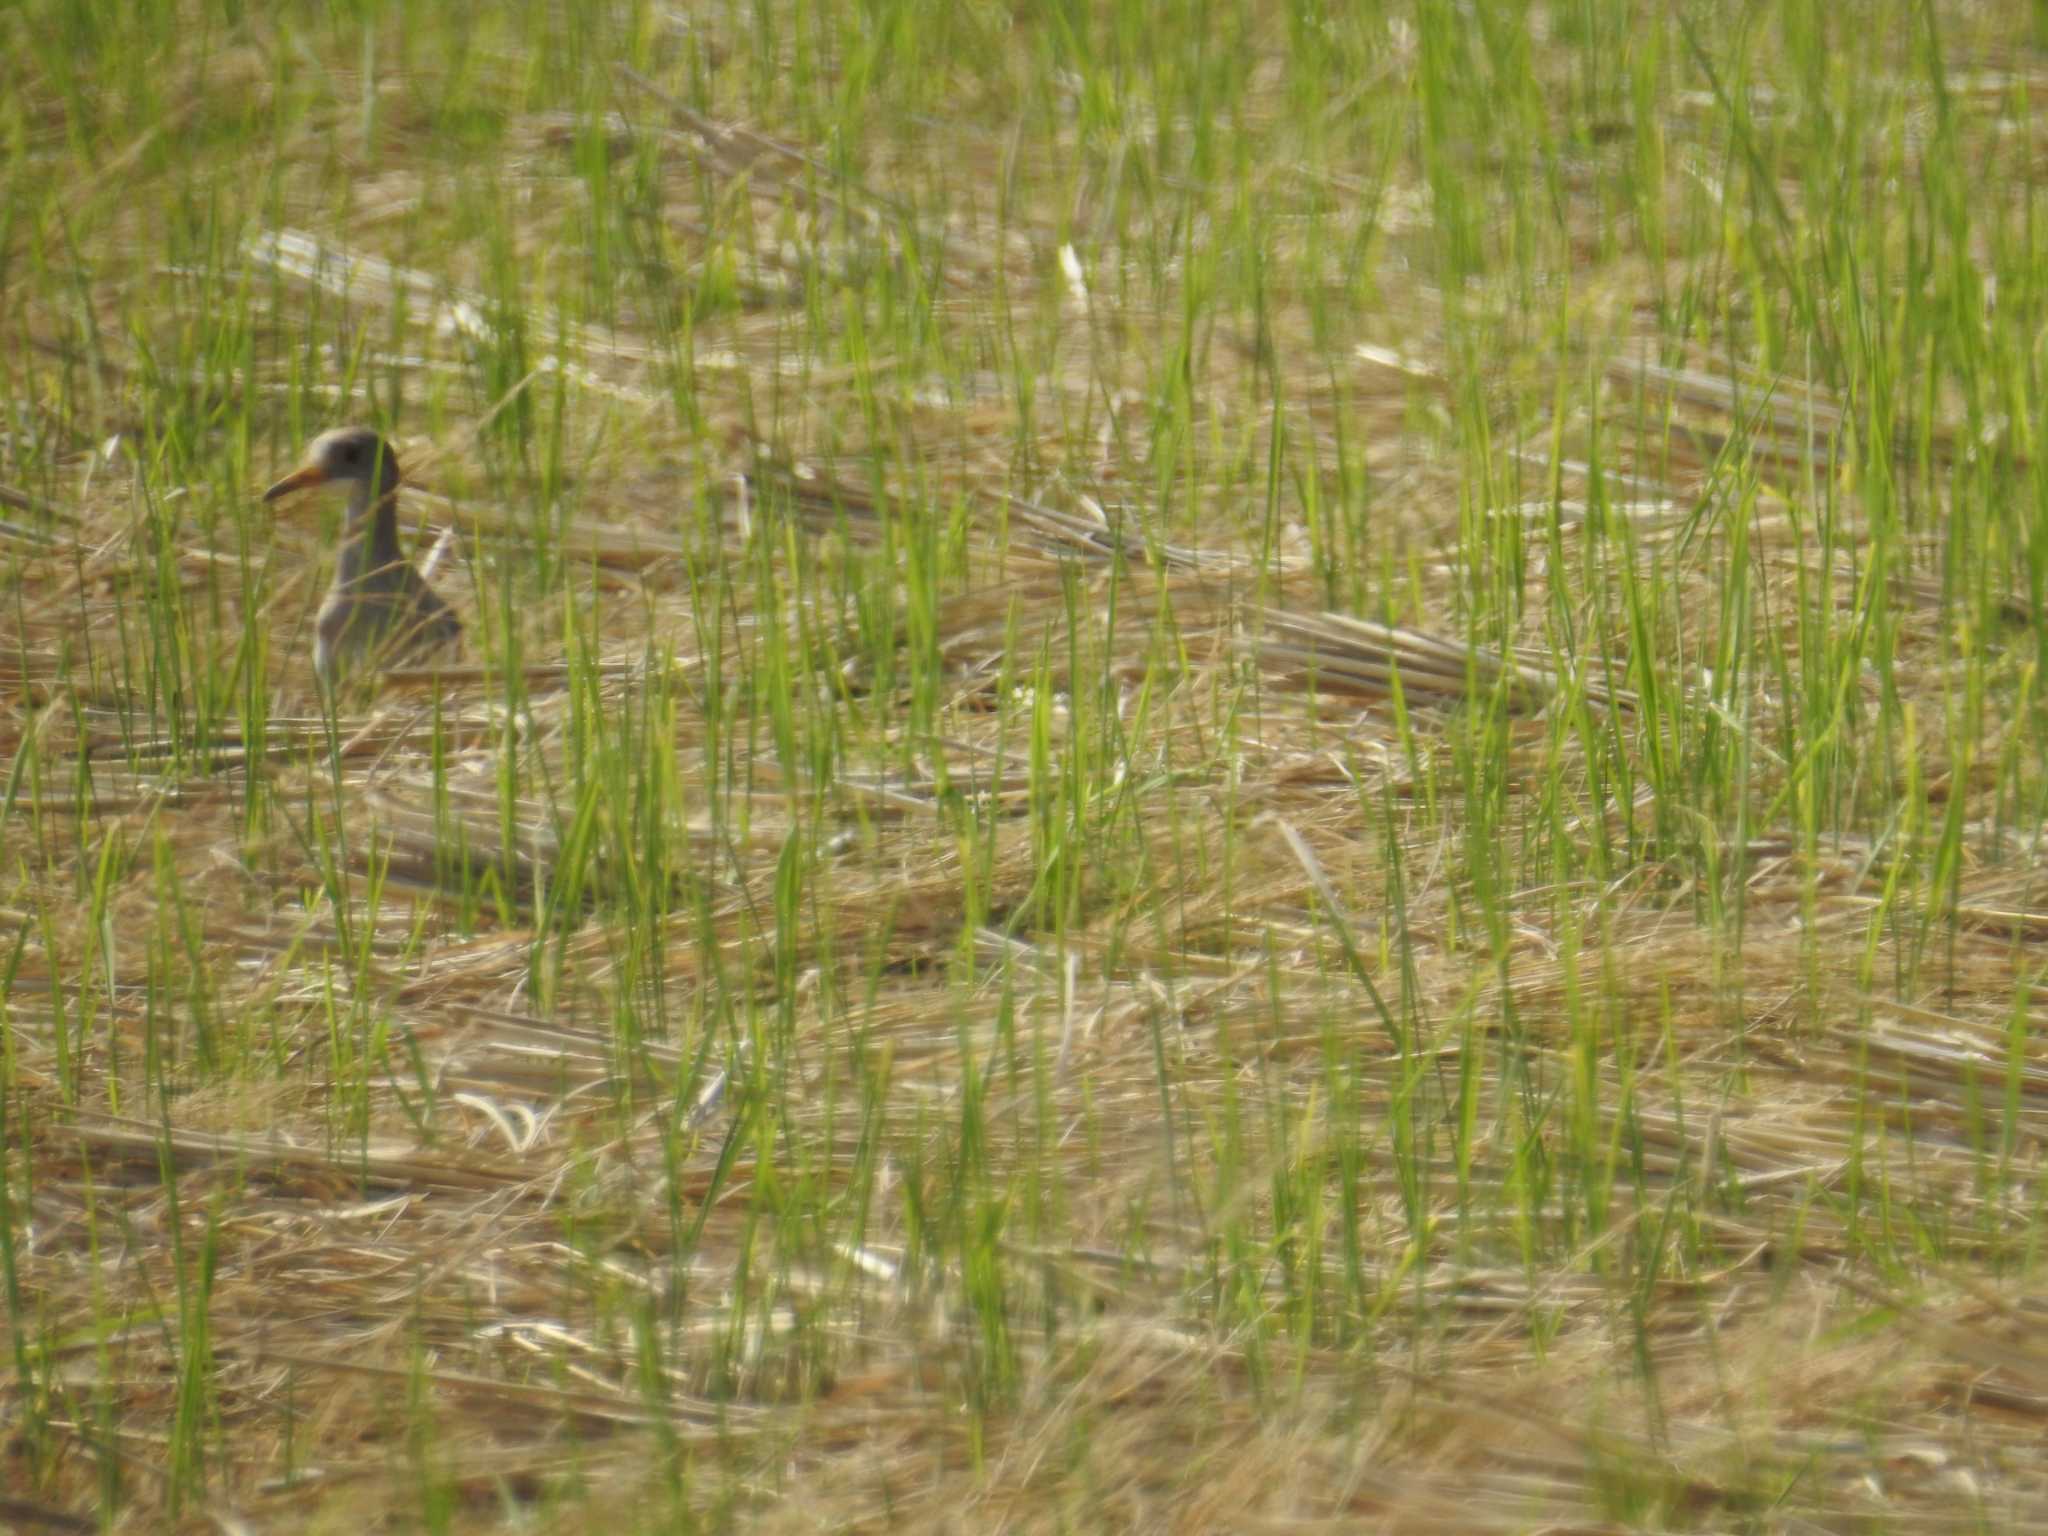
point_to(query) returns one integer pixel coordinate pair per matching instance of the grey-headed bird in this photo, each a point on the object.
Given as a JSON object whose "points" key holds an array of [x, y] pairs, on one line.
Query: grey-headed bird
{"points": [[379, 609]]}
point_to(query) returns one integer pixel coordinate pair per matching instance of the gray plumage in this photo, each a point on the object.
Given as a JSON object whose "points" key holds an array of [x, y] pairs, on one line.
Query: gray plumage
{"points": [[378, 610]]}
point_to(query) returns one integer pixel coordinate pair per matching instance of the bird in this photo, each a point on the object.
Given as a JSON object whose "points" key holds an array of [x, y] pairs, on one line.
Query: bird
{"points": [[379, 609]]}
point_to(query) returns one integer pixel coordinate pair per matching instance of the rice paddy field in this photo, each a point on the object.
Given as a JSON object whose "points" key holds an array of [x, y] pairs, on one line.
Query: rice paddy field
{"points": [[1220, 766]]}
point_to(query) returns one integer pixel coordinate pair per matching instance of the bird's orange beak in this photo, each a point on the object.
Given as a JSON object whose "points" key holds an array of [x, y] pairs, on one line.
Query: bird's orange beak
{"points": [[297, 480]]}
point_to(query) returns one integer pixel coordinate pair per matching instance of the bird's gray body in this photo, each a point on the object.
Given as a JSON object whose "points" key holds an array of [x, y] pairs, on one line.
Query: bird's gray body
{"points": [[387, 615]]}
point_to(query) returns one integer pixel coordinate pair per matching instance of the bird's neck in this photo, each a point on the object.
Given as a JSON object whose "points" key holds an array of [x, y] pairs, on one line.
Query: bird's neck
{"points": [[369, 546]]}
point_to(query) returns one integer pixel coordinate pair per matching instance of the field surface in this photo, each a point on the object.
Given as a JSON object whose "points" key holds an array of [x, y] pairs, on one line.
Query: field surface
{"points": [[1220, 766]]}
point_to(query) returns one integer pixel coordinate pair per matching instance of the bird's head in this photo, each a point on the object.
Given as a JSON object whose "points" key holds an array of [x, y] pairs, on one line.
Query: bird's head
{"points": [[353, 454]]}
